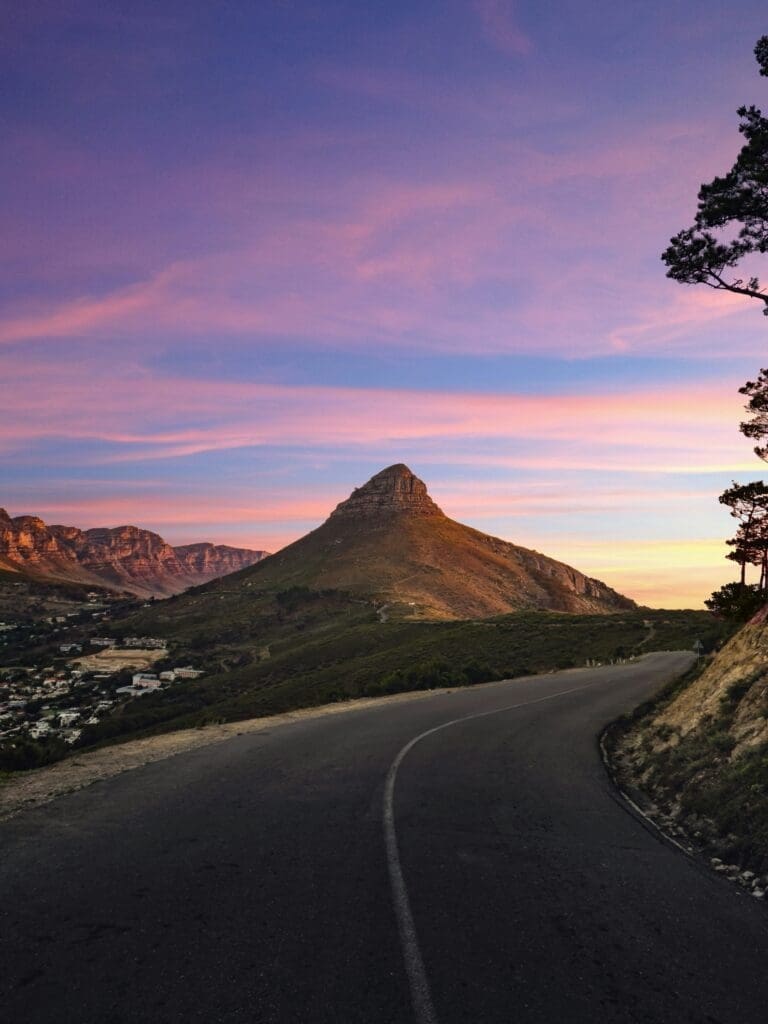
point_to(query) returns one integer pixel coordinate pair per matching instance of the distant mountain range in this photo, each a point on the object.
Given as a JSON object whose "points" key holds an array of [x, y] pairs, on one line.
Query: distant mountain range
{"points": [[123, 558], [389, 539]]}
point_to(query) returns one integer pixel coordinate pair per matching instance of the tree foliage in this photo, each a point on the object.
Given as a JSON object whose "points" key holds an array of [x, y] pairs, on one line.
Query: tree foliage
{"points": [[749, 505], [731, 226], [736, 602], [731, 221]]}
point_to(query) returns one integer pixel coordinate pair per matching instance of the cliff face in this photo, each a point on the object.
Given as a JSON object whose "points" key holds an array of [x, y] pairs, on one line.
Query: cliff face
{"points": [[389, 538], [125, 557], [211, 560], [27, 540]]}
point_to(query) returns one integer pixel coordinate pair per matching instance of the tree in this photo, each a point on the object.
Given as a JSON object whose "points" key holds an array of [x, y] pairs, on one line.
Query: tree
{"points": [[731, 225], [698, 255], [749, 504], [736, 601], [738, 200]]}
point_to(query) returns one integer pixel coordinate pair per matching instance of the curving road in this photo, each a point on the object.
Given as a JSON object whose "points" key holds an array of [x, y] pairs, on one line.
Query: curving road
{"points": [[334, 871]]}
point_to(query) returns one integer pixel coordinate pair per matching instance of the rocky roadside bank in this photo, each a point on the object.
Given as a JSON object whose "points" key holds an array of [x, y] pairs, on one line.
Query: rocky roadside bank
{"points": [[698, 787]]}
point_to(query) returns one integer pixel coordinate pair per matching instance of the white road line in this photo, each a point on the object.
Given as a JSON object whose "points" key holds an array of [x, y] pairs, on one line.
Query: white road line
{"points": [[421, 996]]}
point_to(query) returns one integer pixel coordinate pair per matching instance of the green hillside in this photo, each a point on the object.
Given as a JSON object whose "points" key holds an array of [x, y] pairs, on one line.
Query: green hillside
{"points": [[299, 648]]}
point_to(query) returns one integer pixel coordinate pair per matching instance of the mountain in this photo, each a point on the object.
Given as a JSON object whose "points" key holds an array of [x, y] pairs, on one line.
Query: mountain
{"points": [[390, 539], [124, 558]]}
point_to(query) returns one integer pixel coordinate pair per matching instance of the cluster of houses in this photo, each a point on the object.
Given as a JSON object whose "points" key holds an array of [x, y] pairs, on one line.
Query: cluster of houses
{"points": [[59, 700], [145, 643], [38, 703], [93, 610]]}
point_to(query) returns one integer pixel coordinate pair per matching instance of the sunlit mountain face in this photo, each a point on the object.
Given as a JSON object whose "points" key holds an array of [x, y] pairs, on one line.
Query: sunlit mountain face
{"points": [[251, 253]]}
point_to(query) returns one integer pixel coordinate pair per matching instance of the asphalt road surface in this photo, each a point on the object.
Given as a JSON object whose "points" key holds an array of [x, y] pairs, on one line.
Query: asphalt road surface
{"points": [[330, 871]]}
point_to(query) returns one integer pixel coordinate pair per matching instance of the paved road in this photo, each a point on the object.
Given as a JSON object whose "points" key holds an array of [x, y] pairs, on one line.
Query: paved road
{"points": [[250, 881]]}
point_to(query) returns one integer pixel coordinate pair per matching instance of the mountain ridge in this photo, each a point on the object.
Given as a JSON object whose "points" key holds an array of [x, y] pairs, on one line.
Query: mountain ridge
{"points": [[125, 558]]}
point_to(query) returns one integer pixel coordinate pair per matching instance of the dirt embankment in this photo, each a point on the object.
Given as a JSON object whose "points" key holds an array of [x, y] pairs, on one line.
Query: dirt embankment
{"points": [[697, 757]]}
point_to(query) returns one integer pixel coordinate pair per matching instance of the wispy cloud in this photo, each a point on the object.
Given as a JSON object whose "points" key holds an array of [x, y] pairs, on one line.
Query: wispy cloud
{"points": [[144, 416], [501, 27]]}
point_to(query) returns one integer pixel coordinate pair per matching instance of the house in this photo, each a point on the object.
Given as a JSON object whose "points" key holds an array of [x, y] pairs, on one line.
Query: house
{"points": [[187, 672], [145, 680]]}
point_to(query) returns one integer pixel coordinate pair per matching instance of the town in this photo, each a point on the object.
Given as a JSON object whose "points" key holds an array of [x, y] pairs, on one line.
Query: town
{"points": [[59, 674]]}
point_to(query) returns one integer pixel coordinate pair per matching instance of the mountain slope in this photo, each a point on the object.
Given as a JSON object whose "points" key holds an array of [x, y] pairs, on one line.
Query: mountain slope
{"points": [[124, 558], [391, 540]]}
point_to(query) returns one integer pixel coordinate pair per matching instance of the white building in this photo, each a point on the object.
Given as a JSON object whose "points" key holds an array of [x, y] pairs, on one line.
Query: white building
{"points": [[145, 680], [187, 672]]}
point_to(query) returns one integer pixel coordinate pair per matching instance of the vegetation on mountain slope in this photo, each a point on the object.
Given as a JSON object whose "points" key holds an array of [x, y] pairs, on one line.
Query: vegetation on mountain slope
{"points": [[301, 648]]}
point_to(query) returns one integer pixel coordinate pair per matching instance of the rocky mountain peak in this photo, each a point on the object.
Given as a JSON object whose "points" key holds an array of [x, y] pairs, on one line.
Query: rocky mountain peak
{"points": [[395, 490], [29, 523]]}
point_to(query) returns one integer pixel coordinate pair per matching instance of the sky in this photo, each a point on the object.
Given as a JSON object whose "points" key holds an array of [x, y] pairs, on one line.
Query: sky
{"points": [[253, 253]]}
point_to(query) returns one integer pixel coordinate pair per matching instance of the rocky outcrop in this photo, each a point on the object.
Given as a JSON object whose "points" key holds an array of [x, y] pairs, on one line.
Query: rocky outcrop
{"points": [[124, 557], [393, 491], [28, 541]]}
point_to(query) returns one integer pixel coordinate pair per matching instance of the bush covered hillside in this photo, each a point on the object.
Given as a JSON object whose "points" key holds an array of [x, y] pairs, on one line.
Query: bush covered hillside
{"points": [[300, 648]]}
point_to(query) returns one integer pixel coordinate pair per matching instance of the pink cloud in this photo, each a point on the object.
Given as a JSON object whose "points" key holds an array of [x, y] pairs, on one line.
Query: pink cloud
{"points": [[140, 417], [197, 509], [501, 28], [376, 260]]}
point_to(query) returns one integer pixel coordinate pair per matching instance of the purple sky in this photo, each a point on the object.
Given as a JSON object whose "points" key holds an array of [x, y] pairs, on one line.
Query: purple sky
{"points": [[252, 253]]}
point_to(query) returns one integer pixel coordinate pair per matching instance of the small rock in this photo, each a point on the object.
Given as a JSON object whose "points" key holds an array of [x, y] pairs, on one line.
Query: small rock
{"points": [[722, 868], [715, 862], [759, 894], [747, 875]]}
